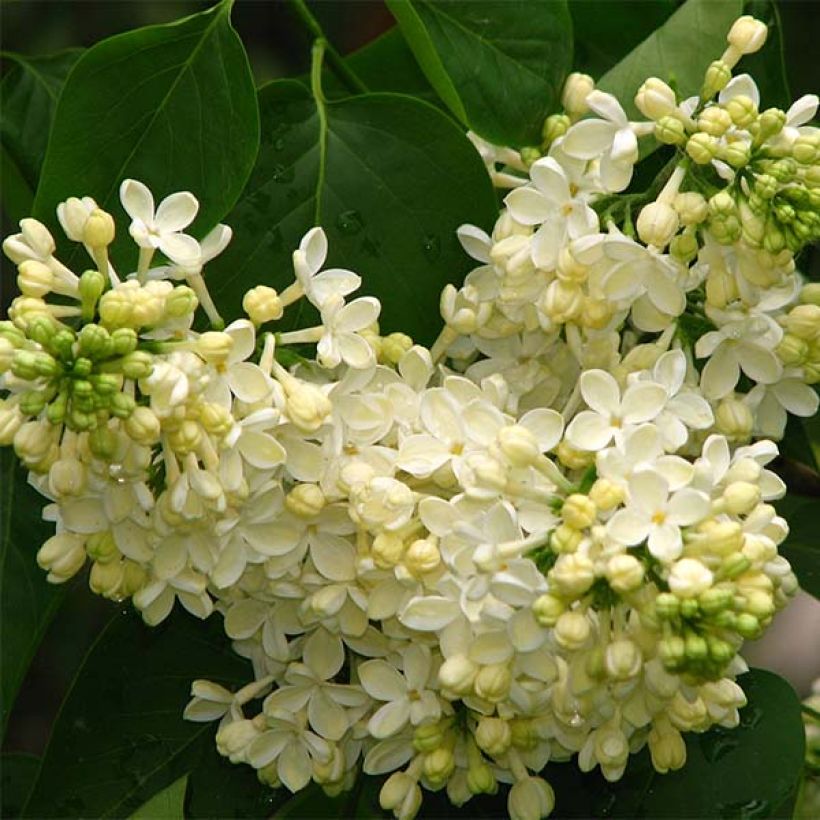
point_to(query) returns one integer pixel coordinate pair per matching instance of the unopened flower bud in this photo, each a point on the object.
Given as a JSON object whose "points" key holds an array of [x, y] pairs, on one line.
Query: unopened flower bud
{"points": [[655, 99], [427, 737], [492, 683], [747, 35], [67, 477], [422, 556], [717, 78], [741, 497], [439, 765], [518, 445], [684, 247], [62, 556], [493, 735], [670, 131], [457, 674], [530, 798], [307, 407], [262, 304], [577, 88], [714, 121], [688, 578], [181, 301], [702, 148], [624, 572], [565, 539], [143, 426], [667, 749], [692, 207], [579, 511], [547, 609], [555, 126], [99, 230], [572, 630], [572, 458], [747, 625], [803, 321], [657, 224], [214, 346], [742, 110], [572, 574], [734, 419], [305, 500], [562, 301], [622, 660], [34, 278], [393, 348]]}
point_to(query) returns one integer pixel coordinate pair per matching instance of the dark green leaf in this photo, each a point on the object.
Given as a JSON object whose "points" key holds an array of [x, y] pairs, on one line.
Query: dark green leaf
{"points": [[802, 545], [30, 90], [27, 601], [678, 52], [17, 773], [166, 804], [172, 105], [120, 736], [497, 64], [387, 64], [607, 30], [390, 186]]}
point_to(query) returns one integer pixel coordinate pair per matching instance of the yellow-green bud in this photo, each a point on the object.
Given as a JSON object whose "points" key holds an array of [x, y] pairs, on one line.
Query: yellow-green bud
{"points": [[667, 606], [577, 88], [803, 321], [92, 284], [810, 294], [137, 365], [427, 737], [181, 301], [565, 539], [747, 625], [572, 630], [792, 350], [702, 148], [734, 419], [806, 148], [684, 247], [547, 609], [670, 131], [770, 122], [714, 121], [34, 278], [422, 556], [555, 126], [692, 207], [655, 99], [657, 224], [493, 735], [94, 341], [492, 683], [99, 229], [717, 78], [143, 426], [579, 512], [102, 442], [747, 34], [121, 405], [624, 572], [737, 153], [393, 347]]}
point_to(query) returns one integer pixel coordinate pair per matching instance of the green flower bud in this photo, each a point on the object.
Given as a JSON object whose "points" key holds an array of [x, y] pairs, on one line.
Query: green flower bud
{"points": [[811, 177], [670, 131], [770, 122], [792, 351], [105, 384], [62, 343], [689, 608], [726, 230], [122, 405], [720, 651], [667, 606], [530, 154], [717, 78], [783, 170], [42, 329], [810, 294], [92, 284], [548, 609], [12, 333], [94, 342], [702, 148], [123, 341], [742, 110], [556, 125], [806, 148], [102, 442], [714, 121], [691, 207], [734, 565], [696, 648], [774, 240], [747, 626], [672, 651], [714, 600], [737, 153], [55, 412], [79, 420], [181, 301], [765, 186], [137, 365], [99, 229], [722, 203], [32, 402]]}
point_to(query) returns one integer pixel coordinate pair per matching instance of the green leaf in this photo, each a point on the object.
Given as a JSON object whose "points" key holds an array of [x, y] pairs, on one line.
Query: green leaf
{"points": [[171, 105], [166, 804], [768, 66], [120, 736], [497, 64], [387, 64], [607, 30], [679, 51], [17, 773], [802, 545], [27, 601], [29, 90], [388, 177]]}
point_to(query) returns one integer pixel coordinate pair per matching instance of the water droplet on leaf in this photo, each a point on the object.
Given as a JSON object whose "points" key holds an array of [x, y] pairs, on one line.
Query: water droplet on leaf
{"points": [[349, 222], [431, 245]]}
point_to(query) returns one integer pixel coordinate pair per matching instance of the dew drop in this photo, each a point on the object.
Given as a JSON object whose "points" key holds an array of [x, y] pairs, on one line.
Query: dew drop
{"points": [[431, 246], [745, 809], [282, 173], [349, 222]]}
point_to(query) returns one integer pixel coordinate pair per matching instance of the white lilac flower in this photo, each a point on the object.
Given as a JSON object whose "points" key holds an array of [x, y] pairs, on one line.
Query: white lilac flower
{"points": [[656, 516], [161, 227]]}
